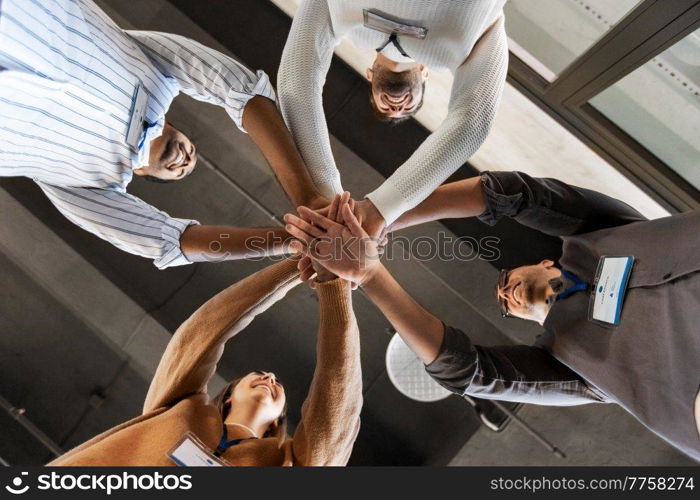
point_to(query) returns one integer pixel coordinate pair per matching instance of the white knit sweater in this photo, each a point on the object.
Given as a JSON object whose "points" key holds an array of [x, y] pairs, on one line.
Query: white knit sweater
{"points": [[454, 28]]}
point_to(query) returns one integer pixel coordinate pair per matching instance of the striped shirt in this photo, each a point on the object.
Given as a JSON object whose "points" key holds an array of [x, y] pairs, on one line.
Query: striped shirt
{"points": [[68, 77]]}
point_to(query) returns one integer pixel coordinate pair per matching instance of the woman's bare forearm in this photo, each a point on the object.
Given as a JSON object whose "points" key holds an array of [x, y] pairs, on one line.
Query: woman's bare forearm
{"points": [[218, 243], [450, 201], [265, 126]]}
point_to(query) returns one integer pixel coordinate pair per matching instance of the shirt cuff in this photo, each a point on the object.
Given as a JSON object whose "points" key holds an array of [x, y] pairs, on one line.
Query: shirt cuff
{"points": [[389, 201], [455, 364], [335, 298], [498, 204], [172, 253], [236, 100], [331, 188]]}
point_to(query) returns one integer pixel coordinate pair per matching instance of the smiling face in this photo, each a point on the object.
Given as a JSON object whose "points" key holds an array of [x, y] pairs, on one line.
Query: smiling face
{"points": [[262, 390], [172, 156], [396, 88], [526, 291]]}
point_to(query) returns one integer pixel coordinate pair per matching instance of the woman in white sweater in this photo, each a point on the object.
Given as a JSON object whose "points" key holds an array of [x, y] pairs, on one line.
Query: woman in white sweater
{"points": [[466, 37]]}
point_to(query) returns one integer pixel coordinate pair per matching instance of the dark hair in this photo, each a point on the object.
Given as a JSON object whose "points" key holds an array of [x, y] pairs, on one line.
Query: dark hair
{"points": [[395, 83], [224, 407], [503, 273], [157, 180]]}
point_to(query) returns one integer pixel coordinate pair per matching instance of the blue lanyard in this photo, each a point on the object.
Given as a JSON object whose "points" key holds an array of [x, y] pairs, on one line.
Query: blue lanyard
{"points": [[393, 39], [225, 444], [146, 126], [579, 285]]}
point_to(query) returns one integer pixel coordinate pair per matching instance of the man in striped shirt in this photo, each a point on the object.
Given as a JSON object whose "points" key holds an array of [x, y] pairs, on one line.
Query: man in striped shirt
{"points": [[82, 110]]}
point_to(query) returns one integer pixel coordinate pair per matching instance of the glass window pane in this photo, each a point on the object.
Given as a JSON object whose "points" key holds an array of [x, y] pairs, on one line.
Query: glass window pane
{"points": [[549, 34], [658, 104]]}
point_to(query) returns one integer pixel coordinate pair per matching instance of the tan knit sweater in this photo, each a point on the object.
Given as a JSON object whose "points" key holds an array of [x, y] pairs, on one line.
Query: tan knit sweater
{"points": [[177, 401]]}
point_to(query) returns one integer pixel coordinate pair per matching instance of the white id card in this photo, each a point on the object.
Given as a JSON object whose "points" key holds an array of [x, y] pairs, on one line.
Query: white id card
{"points": [[137, 115], [191, 452], [609, 287], [380, 21]]}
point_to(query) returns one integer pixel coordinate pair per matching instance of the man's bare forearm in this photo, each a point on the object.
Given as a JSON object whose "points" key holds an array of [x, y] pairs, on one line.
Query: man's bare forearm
{"points": [[450, 201], [265, 126], [421, 331], [217, 243]]}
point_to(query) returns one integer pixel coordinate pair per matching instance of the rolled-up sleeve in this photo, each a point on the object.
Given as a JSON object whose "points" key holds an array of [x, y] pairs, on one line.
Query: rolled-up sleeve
{"points": [[204, 73], [550, 205], [518, 373], [125, 221]]}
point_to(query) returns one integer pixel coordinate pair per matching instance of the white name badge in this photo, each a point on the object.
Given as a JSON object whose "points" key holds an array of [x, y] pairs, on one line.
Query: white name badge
{"points": [[137, 115], [380, 21], [191, 452], [609, 287]]}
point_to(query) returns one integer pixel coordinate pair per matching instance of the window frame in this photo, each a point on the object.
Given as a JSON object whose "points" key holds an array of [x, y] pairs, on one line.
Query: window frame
{"points": [[646, 31]]}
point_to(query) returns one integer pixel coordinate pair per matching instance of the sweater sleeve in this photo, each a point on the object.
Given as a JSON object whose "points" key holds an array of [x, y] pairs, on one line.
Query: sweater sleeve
{"points": [[193, 352], [302, 73], [476, 93], [330, 416]]}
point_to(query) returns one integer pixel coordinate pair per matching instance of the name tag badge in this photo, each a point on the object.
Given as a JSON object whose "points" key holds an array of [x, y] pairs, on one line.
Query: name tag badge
{"points": [[191, 452], [380, 21], [609, 287], [137, 115]]}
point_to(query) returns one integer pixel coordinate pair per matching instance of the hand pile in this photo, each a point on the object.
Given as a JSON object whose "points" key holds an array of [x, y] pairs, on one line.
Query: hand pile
{"points": [[334, 242]]}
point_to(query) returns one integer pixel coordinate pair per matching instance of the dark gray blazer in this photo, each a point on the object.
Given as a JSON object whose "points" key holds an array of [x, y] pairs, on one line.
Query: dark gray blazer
{"points": [[649, 364]]}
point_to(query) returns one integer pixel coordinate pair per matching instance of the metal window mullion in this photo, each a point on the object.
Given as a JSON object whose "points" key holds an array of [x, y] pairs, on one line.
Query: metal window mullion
{"points": [[672, 33], [642, 34], [638, 164], [647, 30], [615, 146]]}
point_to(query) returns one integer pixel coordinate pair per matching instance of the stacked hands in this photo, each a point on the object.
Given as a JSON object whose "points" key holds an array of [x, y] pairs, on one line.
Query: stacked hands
{"points": [[339, 240]]}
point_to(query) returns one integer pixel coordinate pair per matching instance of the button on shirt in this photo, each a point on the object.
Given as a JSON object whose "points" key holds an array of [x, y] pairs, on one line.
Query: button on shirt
{"points": [[67, 85]]}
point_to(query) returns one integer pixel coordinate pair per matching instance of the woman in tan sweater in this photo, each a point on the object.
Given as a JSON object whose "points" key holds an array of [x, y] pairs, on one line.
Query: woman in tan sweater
{"points": [[245, 424]]}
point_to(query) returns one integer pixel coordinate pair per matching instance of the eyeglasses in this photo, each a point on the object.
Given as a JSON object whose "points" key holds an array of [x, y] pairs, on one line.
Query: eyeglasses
{"points": [[502, 303]]}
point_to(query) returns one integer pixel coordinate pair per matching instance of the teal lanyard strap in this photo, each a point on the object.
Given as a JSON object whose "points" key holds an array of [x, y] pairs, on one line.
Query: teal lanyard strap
{"points": [[578, 286], [225, 444]]}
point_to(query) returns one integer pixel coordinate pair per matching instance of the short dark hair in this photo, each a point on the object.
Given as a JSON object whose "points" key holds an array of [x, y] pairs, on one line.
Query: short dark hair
{"points": [[157, 180]]}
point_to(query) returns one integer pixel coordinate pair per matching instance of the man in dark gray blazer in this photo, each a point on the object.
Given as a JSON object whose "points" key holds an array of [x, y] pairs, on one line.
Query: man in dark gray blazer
{"points": [[645, 356]]}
